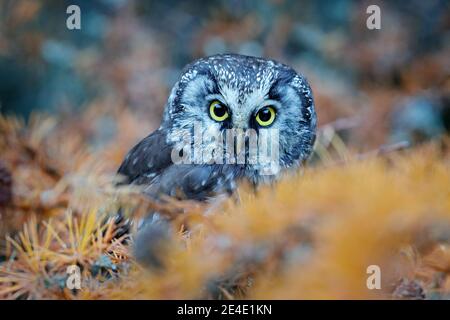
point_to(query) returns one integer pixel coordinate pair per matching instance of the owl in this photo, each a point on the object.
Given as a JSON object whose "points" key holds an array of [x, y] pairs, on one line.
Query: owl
{"points": [[246, 96], [229, 118]]}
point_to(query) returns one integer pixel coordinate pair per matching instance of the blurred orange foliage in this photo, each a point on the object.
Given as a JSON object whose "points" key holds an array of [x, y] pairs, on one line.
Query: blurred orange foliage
{"points": [[310, 236]]}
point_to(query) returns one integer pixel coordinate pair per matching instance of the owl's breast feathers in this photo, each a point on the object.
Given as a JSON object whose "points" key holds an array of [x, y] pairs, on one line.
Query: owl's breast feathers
{"points": [[149, 164]]}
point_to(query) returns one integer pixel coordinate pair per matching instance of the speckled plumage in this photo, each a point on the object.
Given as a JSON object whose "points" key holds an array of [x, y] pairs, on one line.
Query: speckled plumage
{"points": [[244, 84]]}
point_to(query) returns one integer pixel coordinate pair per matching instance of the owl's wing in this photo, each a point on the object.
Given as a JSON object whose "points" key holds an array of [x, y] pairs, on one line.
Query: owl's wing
{"points": [[196, 181], [150, 164], [147, 159]]}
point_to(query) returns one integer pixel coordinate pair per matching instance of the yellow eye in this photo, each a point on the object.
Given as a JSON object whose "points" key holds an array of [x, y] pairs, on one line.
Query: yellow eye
{"points": [[218, 111], [265, 116]]}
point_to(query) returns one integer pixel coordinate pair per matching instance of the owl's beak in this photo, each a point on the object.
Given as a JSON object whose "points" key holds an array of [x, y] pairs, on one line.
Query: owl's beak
{"points": [[240, 121], [240, 125], [240, 144]]}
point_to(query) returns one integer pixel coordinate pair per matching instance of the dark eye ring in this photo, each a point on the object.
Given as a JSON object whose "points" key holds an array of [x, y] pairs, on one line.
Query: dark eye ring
{"points": [[307, 114]]}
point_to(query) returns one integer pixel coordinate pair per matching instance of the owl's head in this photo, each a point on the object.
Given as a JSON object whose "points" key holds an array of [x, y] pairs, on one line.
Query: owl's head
{"points": [[231, 91]]}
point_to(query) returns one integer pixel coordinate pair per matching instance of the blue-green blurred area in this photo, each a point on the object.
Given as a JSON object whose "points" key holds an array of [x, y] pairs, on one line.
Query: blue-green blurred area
{"points": [[131, 53]]}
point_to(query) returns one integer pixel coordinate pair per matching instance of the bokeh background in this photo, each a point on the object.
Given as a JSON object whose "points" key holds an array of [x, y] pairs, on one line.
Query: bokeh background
{"points": [[375, 86], [73, 102]]}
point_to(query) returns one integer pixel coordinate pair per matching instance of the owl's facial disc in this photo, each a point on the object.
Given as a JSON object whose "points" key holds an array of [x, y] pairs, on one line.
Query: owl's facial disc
{"points": [[238, 92]]}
